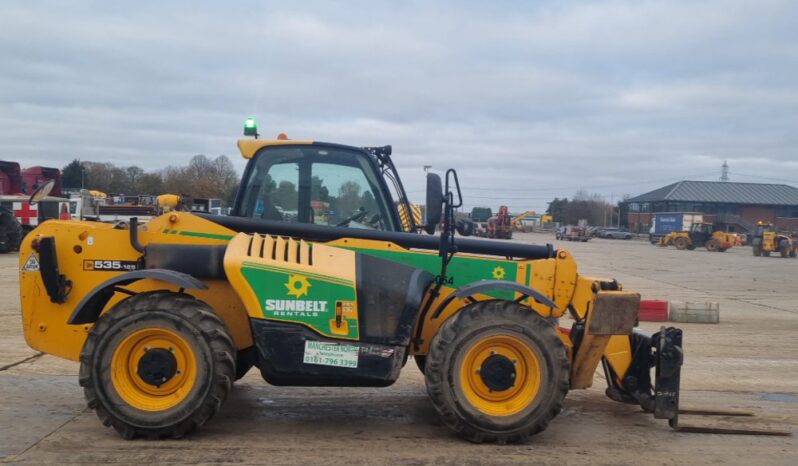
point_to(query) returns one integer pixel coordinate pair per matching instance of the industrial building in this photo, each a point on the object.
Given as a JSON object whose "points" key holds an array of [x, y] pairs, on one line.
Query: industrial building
{"points": [[735, 206]]}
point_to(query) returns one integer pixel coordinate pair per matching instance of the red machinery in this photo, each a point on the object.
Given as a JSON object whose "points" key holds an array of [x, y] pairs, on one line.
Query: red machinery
{"points": [[17, 215], [33, 177], [499, 225], [10, 178]]}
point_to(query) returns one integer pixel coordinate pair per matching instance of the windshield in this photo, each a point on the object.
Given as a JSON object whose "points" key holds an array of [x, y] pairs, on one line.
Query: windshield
{"points": [[315, 184]]}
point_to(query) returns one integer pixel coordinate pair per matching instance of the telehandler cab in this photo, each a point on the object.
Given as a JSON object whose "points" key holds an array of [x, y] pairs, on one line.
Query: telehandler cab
{"points": [[316, 280]]}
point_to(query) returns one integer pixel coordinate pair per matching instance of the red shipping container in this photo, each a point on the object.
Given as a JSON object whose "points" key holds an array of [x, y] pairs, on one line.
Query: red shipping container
{"points": [[653, 310]]}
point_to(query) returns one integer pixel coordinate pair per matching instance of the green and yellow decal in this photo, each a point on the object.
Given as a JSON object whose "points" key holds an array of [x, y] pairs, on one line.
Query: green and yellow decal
{"points": [[462, 270], [324, 303], [276, 280], [196, 234]]}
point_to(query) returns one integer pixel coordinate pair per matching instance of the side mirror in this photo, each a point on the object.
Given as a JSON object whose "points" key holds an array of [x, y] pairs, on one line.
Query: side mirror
{"points": [[465, 227], [434, 202], [41, 192]]}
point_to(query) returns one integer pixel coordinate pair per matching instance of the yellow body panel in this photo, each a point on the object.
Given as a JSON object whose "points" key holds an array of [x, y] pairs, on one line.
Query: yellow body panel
{"points": [[591, 349], [44, 322], [668, 239], [612, 313], [248, 147], [769, 241], [79, 244], [619, 354], [46, 330]]}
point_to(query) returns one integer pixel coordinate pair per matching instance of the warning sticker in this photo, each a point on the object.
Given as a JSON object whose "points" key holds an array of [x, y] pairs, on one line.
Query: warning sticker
{"points": [[330, 354], [31, 265]]}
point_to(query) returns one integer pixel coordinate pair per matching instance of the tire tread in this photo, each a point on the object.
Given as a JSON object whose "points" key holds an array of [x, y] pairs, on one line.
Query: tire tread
{"points": [[202, 318], [518, 318]]}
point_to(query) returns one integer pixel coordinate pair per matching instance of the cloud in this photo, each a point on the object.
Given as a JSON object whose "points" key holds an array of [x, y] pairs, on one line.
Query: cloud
{"points": [[527, 101]]}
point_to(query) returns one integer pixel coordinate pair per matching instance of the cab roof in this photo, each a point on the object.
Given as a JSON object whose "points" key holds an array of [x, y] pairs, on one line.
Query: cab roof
{"points": [[249, 147]]}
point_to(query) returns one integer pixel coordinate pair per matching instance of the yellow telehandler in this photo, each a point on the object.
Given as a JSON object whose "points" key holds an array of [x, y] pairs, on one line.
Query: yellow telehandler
{"points": [[700, 235], [767, 240], [316, 279]]}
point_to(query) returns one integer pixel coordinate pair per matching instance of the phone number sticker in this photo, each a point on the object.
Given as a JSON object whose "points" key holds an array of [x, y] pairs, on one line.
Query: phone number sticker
{"points": [[330, 354]]}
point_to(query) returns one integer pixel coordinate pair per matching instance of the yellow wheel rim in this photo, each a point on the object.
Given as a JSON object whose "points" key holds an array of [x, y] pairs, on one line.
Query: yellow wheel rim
{"points": [[526, 382], [133, 389]]}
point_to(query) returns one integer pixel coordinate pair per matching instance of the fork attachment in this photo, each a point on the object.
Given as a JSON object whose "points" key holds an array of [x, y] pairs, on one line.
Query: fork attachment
{"points": [[663, 352]]}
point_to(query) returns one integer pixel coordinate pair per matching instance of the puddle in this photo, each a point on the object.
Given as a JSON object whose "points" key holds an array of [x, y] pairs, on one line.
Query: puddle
{"points": [[783, 397]]}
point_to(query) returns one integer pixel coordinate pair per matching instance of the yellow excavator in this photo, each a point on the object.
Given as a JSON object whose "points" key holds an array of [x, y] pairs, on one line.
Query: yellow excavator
{"points": [[518, 221]]}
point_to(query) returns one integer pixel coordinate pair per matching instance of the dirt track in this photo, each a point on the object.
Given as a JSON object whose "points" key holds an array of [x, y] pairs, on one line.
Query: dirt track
{"points": [[747, 362]]}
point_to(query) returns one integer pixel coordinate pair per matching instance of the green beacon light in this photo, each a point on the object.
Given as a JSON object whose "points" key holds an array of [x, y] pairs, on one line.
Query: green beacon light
{"points": [[251, 127]]}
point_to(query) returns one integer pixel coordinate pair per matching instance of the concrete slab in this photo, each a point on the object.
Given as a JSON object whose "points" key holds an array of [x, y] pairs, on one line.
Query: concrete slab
{"points": [[282, 425], [33, 407]]}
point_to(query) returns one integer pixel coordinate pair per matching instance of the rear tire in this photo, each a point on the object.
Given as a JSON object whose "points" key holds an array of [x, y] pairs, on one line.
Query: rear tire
{"points": [[10, 231], [681, 243], [784, 249], [497, 371], [119, 379]]}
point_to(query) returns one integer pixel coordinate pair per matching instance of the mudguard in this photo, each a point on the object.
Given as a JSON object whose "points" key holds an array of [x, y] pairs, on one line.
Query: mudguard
{"points": [[493, 285], [89, 308]]}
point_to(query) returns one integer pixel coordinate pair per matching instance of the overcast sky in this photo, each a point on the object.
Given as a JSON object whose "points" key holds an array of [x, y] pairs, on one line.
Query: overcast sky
{"points": [[527, 100]]}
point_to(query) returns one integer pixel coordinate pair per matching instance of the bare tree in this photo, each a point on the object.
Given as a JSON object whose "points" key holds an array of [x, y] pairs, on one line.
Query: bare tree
{"points": [[201, 177]]}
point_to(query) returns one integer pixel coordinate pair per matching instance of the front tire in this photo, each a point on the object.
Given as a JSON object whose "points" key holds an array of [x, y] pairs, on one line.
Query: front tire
{"points": [[681, 243], [497, 371], [158, 364]]}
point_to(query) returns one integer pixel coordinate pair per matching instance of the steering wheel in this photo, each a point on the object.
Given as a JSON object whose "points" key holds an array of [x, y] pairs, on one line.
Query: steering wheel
{"points": [[356, 217], [374, 221]]}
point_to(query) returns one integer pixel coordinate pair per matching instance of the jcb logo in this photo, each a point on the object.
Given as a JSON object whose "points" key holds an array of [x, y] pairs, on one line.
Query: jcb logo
{"points": [[100, 265]]}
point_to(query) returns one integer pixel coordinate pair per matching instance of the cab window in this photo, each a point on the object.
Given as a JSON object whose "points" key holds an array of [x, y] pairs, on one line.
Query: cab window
{"points": [[342, 195], [318, 185]]}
